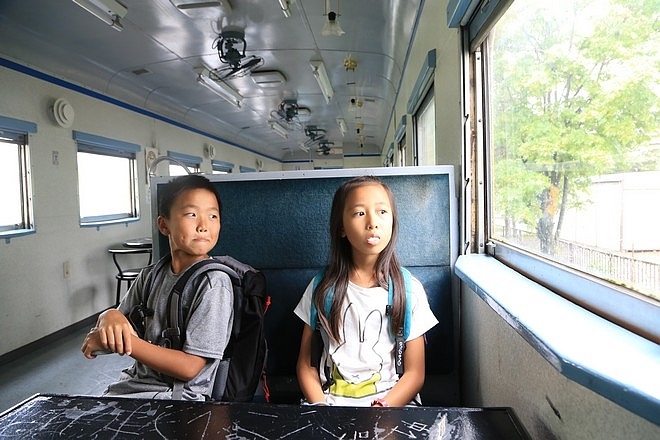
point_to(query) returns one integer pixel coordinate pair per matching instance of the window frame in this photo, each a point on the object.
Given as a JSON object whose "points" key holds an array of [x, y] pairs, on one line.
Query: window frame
{"points": [[420, 150], [192, 163], [402, 149], [17, 132], [94, 144], [612, 302], [400, 140], [221, 167]]}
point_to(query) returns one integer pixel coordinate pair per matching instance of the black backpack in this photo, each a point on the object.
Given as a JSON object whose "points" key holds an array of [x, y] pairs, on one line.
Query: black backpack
{"points": [[244, 361]]}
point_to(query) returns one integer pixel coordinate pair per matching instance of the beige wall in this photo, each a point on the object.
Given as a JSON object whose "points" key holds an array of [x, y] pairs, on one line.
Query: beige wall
{"points": [[432, 33], [35, 298]]}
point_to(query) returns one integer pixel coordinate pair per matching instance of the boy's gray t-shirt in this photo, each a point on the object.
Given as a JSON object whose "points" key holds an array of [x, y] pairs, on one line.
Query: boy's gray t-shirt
{"points": [[208, 327]]}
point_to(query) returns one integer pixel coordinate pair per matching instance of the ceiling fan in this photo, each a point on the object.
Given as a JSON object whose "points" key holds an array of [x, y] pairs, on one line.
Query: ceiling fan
{"points": [[326, 148], [231, 46], [288, 113], [314, 135]]}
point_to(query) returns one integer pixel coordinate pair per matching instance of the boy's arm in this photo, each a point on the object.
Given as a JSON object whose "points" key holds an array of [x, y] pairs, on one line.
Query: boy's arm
{"points": [[308, 376], [412, 379], [115, 333], [174, 363]]}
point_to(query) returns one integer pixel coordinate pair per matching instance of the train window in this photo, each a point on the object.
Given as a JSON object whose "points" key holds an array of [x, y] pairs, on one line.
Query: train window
{"points": [[401, 146], [572, 146], [107, 182], [220, 167], [400, 140], [424, 121], [16, 196], [192, 163]]}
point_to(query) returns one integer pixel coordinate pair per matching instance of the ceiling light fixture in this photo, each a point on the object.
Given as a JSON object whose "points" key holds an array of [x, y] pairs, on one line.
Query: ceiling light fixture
{"points": [[268, 78], [331, 26], [279, 129], [108, 11], [304, 112], [318, 68], [342, 126], [286, 7], [202, 8], [219, 87]]}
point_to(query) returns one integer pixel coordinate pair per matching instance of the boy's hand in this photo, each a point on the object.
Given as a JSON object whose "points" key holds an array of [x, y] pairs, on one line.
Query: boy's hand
{"points": [[112, 332], [115, 331], [91, 344]]}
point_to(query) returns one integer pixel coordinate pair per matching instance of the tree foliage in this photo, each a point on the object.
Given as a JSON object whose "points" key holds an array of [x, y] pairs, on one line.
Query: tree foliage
{"points": [[574, 94]]}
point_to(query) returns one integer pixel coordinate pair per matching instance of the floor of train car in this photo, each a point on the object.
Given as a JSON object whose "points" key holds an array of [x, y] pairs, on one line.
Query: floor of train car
{"points": [[58, 368]]}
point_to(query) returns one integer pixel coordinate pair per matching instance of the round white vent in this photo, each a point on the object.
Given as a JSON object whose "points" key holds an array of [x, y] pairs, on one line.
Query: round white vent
{"points": [[63, 113]]}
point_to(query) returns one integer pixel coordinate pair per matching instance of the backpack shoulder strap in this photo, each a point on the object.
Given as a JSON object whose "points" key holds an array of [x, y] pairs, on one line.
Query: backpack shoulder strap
{"points": [[175, 330], [148, 283], [316, 349], [313, 313], [139, 312], [407, 283], [403, 333]]}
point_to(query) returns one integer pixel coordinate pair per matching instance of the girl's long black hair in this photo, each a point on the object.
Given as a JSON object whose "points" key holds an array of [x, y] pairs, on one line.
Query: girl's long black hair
{"points": [[341, 263]]}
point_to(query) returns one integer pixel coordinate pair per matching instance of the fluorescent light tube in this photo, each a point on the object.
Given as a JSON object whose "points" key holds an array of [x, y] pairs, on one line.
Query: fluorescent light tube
{"points": [[108, 11], [318, 68], [342, 126], [279, 129], [285, 5], [220, 88], [332, 26]]}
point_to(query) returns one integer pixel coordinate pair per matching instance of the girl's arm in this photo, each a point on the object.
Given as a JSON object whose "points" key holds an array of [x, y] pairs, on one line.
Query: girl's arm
{"points": [[308, 376], [412, 379]]}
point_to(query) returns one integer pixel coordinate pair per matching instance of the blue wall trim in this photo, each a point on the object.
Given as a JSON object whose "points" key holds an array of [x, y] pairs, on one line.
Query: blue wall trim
{"points": [[587, 349], [220, 165], [457, 11], [187, 159], [423, 83], [105, 143], [400, 130], [17, 125]]}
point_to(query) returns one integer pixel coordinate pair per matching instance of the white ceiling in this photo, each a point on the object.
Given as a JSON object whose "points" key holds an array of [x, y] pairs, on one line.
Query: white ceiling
{"points": [[60, 38]]}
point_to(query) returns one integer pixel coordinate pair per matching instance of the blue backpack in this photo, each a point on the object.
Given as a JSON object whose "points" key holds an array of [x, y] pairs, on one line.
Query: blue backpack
{"points": [[399, 338]]}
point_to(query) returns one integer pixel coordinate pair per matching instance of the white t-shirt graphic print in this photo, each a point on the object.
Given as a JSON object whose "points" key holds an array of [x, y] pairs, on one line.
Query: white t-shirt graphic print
{"points": [[363, 362]]}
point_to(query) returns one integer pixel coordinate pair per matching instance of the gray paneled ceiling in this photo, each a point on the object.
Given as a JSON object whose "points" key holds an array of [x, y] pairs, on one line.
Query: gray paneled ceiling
{"points": [[151, 63]]}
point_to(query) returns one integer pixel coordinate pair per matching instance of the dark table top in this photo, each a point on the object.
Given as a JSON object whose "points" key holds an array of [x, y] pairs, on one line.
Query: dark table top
{"points": [[76, 417]]}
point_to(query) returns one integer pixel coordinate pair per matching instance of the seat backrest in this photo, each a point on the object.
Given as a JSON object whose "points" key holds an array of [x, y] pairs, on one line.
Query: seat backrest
{"points": [[278, 223]]}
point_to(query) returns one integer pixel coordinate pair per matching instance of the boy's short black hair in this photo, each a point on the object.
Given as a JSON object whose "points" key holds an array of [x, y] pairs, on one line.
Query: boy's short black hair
{"points": [[183, 183]]}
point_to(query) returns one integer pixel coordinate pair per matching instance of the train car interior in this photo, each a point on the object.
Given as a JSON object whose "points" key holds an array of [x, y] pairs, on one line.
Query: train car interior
{"points": [[521, 139], [287, 241]]}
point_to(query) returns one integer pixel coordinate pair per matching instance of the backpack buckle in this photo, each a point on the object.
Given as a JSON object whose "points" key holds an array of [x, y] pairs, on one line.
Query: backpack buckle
{"points": [[137, 318]]}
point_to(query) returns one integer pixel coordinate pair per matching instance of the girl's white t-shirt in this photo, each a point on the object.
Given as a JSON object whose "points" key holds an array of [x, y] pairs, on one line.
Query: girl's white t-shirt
{"points": [[362, 363]]}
